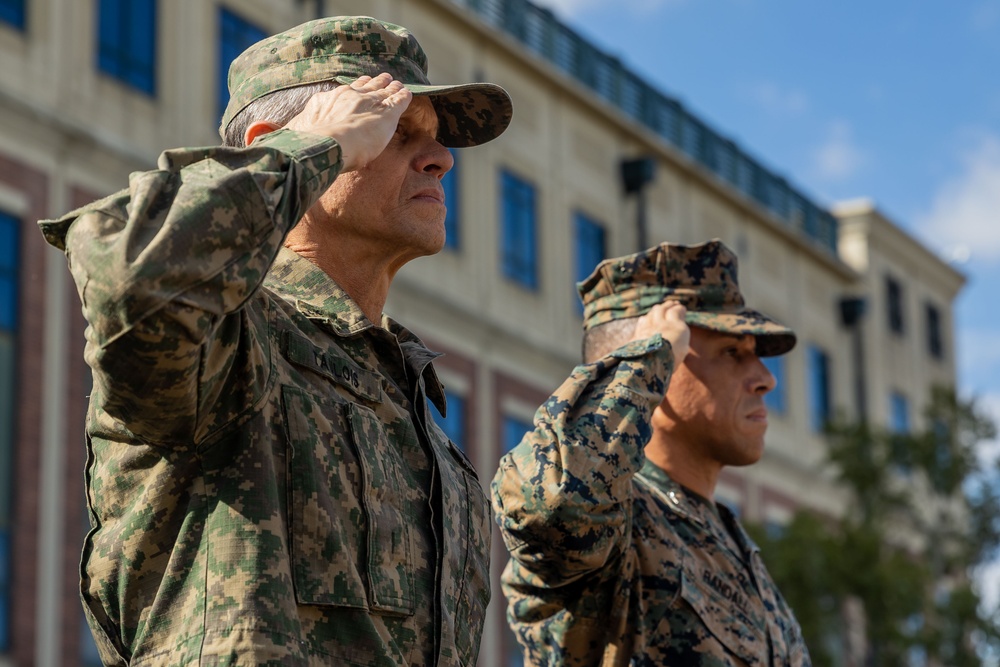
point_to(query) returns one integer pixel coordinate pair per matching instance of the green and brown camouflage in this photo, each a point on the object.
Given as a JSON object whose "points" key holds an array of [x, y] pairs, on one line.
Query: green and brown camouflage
{"points": [[343, 48], [265, 483], [612, 562], [703, 277]]}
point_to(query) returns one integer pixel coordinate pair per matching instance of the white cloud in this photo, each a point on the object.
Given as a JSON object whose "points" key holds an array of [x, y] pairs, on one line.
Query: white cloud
{"points": [[774, 99], [989, 405], [985, 15], [966, 210], [839, 157], [569, 8]]}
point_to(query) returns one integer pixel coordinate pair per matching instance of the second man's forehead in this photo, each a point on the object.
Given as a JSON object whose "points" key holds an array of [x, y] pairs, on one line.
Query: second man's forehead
{"points": [[721, 337]]}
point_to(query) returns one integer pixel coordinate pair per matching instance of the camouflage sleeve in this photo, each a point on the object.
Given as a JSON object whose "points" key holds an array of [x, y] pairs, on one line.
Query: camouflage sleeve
{"points": [[163, 266], [562, 497]]}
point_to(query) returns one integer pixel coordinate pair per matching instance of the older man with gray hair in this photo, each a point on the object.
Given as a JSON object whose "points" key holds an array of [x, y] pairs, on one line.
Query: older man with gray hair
{"points": [[265, 483]]}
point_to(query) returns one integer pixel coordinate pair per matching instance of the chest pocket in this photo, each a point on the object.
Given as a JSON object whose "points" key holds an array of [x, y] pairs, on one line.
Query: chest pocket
{"points": [[728, 611], [349, 543]]}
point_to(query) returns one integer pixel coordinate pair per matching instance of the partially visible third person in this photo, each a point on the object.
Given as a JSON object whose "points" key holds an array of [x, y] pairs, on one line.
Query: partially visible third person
{"points": [[619, 553], [265, 483]]}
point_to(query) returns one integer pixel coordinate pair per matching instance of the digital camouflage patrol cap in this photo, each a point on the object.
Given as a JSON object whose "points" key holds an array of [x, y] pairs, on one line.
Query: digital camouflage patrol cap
{"points": [[701, 277], [342, 48]]}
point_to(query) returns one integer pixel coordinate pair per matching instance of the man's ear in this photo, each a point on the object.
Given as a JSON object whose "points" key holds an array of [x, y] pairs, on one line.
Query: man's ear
{"points": [[256, 129]]}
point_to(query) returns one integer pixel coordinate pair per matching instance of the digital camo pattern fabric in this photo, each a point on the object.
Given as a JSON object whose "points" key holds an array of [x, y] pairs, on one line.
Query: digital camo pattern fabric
{"points": [[342, 48], [265, 484], [704, 278], [614, 564]]}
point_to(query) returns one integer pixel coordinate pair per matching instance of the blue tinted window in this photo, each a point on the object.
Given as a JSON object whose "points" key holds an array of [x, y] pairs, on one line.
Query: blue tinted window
{"points": [[894, 300], [454, 424], [452, 237], [514, 656], [12, 12], [934, 341], [590, 248], [9, 246], [126, 42], [775, 530], [519, 240], [9, 261], [235, 35], [775, 399], [899, 413], [818, 368], [513, 430]]}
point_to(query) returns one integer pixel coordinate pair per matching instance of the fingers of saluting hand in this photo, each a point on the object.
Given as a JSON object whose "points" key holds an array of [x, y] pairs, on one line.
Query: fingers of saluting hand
{"points": [[361, 116], [667, 319]]}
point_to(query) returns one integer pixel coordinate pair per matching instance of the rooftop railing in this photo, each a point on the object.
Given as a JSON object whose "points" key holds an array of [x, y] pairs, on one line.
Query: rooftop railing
{"points": [[543, 34]]}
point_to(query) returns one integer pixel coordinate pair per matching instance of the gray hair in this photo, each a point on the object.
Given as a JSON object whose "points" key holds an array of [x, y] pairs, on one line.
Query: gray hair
{"points": [[279, 107], [605, 338]]}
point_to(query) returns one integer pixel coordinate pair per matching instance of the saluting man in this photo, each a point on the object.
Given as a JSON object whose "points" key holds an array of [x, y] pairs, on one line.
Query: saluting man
{"points": [[265, 484], [619, 555]]}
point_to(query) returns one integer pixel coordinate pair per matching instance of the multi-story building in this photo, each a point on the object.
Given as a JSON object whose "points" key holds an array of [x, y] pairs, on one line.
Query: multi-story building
{"points": [[596, 163]]}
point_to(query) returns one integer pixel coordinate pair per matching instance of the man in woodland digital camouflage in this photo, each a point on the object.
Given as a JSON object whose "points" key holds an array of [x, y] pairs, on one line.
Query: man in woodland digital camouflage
{"points": [[619, 556], [265, 483]]}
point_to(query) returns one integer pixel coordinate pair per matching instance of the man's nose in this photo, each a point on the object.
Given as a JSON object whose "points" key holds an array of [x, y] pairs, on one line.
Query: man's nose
{"points": [[435, 159], [762, 379]]}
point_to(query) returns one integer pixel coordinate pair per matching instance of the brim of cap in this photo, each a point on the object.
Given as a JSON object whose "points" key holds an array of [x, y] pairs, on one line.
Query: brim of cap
{"points": [[773, 338], [469, 114]]}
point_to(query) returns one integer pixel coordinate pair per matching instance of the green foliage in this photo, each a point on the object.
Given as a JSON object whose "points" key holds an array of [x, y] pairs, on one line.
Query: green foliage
{"points": [[933, 483]]}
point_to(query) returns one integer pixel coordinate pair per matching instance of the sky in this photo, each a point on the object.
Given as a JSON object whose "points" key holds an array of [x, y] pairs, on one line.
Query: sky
{"points": [[895, 101]]}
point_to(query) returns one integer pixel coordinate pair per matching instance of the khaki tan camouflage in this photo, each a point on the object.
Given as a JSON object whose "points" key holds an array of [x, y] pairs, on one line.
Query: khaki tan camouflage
{"points": [[342, 48], [265, 484], [702, 277], [612, 562]]}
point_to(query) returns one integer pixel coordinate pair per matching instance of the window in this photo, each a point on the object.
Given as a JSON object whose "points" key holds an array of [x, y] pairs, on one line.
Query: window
{"points": [[519, 243], [235, 35], [12, 12], [775, 399], [590, 248], [9, 261], [899, 425], [513, 430], [894, 301], [818, 369], [774, 530], [515, 657], [126, 42], [452, 238], [899, 413], [454, 424], [934, 345]]}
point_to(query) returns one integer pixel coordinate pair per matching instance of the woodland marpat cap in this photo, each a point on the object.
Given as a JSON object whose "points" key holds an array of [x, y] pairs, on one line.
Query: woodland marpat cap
{"points": [[702, 277], [342, 48]]}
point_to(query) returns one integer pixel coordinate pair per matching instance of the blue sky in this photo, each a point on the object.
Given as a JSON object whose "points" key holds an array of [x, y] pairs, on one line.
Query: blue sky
{"points": [[898, 102]]}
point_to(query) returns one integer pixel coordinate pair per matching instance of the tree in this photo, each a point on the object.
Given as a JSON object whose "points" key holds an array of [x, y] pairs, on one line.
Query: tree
{"points": [[889, 582]]}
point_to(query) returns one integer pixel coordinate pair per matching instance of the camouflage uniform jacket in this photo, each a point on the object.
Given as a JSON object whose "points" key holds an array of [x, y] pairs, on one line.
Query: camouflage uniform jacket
{"points": [[613, 563], [265, 484]]}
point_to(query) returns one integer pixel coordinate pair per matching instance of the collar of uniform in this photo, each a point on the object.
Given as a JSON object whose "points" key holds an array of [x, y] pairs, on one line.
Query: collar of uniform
{"points": [[715, 517], [319, 297], [418, 358], [315, 294], [685, 502]]}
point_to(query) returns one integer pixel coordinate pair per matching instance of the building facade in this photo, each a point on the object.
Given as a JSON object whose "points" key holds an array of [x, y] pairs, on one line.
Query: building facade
{"points": [[596, 163]]}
